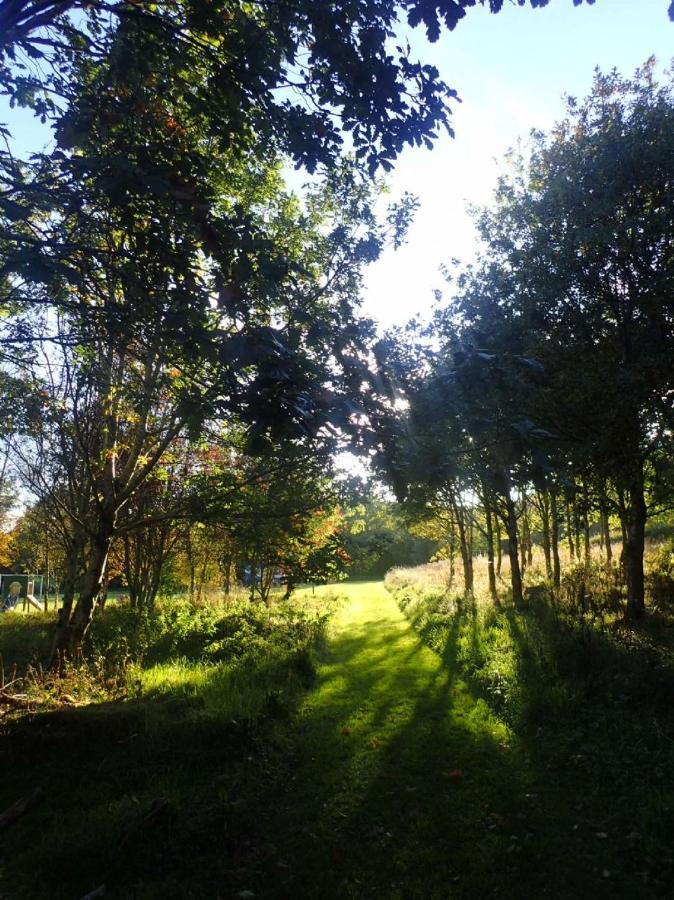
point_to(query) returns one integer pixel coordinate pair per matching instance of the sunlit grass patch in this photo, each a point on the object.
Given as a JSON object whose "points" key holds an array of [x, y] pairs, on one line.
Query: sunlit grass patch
{"points": [[179, 677]]}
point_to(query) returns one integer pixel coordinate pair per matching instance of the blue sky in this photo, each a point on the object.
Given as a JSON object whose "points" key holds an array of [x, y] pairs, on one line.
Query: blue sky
{"points": [[511, 71]]}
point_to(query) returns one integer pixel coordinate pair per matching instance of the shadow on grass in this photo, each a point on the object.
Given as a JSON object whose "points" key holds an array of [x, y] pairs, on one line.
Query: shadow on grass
{"points": [[395, 779], [24, 639], [142, 796], [590, 705], [401, 786]]}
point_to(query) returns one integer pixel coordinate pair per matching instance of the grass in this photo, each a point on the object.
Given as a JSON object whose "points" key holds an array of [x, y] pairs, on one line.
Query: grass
{"points": [[394, 772], [588, 702], [137, 791]]}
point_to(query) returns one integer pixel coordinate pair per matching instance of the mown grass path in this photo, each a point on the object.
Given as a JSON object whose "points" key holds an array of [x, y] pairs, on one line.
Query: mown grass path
{"points": [[399, 782]]}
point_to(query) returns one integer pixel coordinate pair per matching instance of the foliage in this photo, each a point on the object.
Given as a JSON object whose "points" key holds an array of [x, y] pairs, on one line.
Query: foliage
{"points": [[660, 577], [503, 420], [376, 535], [155, 264], [322, 73], [179, 629], [592, 586]]}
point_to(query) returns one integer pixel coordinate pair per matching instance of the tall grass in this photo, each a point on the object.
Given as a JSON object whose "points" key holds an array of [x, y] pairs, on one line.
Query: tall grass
{"points": [[231, 659]]}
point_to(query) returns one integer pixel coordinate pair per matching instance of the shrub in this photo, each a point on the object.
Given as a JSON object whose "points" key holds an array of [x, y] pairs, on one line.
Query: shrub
{"points": [[592, 585], [660, 576]]}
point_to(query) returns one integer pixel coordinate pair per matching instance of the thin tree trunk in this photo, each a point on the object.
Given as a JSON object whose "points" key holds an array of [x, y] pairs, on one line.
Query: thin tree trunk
{"points": [[586, 523], [545, 520], [464, 546], [554, 539], [569, 531], [605, 527], [490, 553], [576, 526], [513, 552], [253, 579], [228, 576], [633, 558], [527, 534], [452, 556]]}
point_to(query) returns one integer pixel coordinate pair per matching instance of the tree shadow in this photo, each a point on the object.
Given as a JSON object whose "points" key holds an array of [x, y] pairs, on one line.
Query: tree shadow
{"points": [[422, 797], [393, 780]]}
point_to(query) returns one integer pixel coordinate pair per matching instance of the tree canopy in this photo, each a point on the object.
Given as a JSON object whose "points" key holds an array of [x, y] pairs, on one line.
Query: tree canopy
{"points": [[553, 372]]}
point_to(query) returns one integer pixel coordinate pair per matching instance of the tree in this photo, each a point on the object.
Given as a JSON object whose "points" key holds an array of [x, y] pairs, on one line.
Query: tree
{"points": [[548, 386], [321, 69], [583, 231], [284, 518], [163, 198], [133, 263]]}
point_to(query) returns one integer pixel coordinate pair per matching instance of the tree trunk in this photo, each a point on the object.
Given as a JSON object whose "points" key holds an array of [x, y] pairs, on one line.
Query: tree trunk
{"points": [[499, 549], [490, 553], [527, 535], [586, 523], [576, 526], [452, 560], [228, 576], [452, 557], [102, 597], [464, 546], [569, 531], [129, 573], [92, 583], [545, 520], [554, 540], [72, 568], [605, 527], [513, 552], [290, 587], [266, 581], [253, 579], [633, 550]]}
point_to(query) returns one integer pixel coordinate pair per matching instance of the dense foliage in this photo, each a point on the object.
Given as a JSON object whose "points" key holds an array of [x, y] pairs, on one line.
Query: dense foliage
{"points": [[545, 402]]}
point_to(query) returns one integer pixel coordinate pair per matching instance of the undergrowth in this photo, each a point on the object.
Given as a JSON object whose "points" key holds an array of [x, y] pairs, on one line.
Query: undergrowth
{"points": [[143, 754], [238, 655]]}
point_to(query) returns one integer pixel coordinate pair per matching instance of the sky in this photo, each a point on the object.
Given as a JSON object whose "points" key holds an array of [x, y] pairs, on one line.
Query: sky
{"points": [[511, 71]]}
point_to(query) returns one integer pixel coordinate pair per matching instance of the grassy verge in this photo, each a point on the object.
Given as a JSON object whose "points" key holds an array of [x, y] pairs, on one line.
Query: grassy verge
{"points": [[590, 702], [143, 756]]}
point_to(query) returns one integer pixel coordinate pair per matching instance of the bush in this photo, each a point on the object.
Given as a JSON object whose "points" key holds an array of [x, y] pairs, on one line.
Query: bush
{"points": [[660, 576], [592, 586], [177, 628]]}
